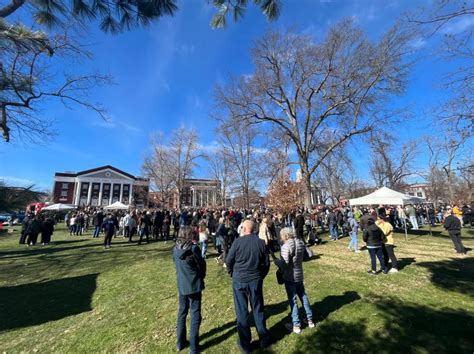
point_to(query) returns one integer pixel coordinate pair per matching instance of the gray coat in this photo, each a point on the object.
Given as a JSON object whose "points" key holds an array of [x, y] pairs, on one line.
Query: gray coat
{"points": [[291, 261]]}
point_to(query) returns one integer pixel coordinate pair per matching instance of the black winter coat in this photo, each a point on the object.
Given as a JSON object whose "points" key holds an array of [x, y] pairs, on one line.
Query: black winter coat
{"points": [[190, 268], [452, 224], [373, 236]]}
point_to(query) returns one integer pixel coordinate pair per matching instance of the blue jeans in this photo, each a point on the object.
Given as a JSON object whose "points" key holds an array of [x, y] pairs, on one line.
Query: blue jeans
{"points": [[96, 231], [295, 291], [376, 252], [192, 304], [333, 231], [354, 241], [203, 249], [243, 294]]}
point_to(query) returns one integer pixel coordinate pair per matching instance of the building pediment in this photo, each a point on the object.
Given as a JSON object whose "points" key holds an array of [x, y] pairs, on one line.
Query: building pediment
{"points": [[106, 174], [109, 172]]}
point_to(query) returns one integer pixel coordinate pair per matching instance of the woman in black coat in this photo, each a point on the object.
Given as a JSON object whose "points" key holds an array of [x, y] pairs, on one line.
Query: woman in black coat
{"points": [[47, 229], [373, 237]]}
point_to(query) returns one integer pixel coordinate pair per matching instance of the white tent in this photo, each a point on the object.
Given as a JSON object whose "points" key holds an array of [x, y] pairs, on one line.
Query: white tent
{"points": [[59, 207], [117, 206], [386, 196]]}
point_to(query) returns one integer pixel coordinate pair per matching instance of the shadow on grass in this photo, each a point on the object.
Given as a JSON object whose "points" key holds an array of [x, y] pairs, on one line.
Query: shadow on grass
{"points": [[230, 328], [421, 232], [453, 275], [37, 303], [405, 262], [66, 245], [321, 310], [406, 328]]}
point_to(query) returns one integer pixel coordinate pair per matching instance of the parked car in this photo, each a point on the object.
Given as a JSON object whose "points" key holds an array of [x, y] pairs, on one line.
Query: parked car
{"points": [[5, 217]]}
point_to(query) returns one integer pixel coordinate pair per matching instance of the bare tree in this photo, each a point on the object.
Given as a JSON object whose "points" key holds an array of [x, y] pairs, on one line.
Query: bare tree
{"points": [[333, 176], [185, 152], [390, 165], [444, 153], [16, 198], [319, 95], [220, 164], [458, 110], [238, 141], [157, 167], [172, 161], [27, 82], [466, 174], [275, 158]]}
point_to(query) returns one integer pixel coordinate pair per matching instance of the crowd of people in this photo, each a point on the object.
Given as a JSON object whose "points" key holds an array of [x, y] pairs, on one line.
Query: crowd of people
{"points": [[247, 261], [245, 242]]}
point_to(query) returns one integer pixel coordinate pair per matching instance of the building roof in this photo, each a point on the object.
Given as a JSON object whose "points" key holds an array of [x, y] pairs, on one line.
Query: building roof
{"points": [[68, 174]]}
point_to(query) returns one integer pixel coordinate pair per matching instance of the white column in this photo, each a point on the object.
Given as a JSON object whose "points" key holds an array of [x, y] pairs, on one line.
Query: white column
{"points": [[78, 192], [111, 192], [89, 194], [121, 192], [130, 194], [207, 197], [99, 203], [194, 198]]}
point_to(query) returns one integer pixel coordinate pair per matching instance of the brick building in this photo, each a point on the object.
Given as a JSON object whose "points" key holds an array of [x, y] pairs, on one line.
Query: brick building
{"points": [[100, 186]]}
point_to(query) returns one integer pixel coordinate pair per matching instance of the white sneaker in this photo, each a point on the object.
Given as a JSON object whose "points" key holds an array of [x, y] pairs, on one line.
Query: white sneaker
{"points": [[311, 324], [295, 329], [393, 270], [357, 251]]}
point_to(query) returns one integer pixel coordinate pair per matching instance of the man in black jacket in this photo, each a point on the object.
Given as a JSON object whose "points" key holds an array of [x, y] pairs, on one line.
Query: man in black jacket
{"points": [[158, 224], [453, 225], [109, 225], [248, 264], [299, 225]]}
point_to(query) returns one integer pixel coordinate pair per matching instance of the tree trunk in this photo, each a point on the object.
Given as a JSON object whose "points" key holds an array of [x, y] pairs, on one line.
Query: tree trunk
{"points": [[307, 187]]}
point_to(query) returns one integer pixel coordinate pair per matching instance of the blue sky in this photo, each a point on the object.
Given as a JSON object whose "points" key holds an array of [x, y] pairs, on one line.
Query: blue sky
{"points": [[165, 75]]}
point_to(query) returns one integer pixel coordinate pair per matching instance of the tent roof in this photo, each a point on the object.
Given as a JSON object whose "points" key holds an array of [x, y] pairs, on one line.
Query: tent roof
{"points": [[59, 206], [386, 195], [117, 205]]}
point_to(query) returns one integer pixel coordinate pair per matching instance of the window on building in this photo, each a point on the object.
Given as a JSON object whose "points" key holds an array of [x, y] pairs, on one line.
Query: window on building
{"points": [[63, 193], [126, 187], [419, 194], [411, 193], [96, 186], [85, 186], [64, 185], [106, 187], [116, 187]]}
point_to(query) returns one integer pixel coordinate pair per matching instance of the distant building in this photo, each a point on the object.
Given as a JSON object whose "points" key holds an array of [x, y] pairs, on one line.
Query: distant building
{"points": [[417, 190], [100, 186], [197, 193]]}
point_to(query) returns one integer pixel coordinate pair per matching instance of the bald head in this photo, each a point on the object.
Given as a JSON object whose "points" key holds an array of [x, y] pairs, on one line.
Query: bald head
{"points": [[247, 227]]}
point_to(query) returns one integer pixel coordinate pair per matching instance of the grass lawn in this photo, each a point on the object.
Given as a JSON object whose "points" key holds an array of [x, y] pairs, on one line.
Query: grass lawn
{"points": [[73, 296]]}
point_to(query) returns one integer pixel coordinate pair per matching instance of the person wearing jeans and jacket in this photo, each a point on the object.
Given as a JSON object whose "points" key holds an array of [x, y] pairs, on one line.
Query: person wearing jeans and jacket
{"points": [[291, 265], [248, 263], [190, 274], [373, 237], [354, 242], [388, 242]]}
